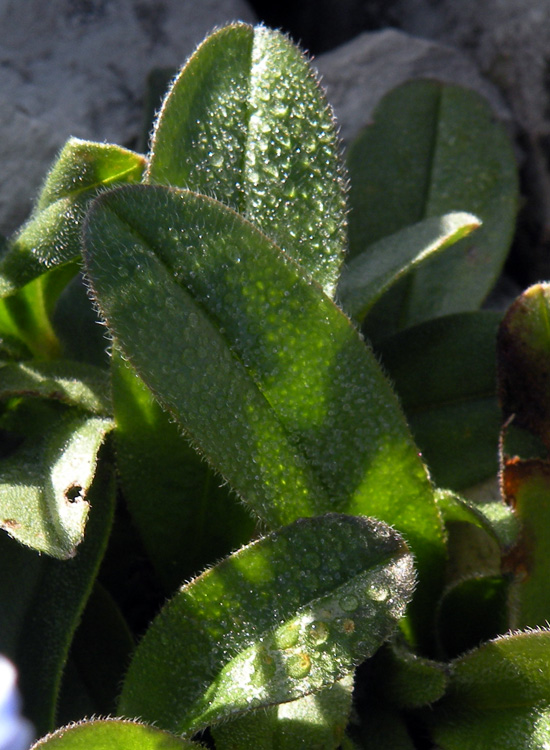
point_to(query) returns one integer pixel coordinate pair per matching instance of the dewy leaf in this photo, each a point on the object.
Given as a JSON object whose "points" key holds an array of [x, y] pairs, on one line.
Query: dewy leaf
{"points": [[524, 361], [499, 696], [526, 487], [155, 461], [51, 237], [282, 618], [45, 481], [434, 148], [267, 376], [247, 123], [315, 721], [371, 273], [41, 600], [107, 734], [444, 372]]}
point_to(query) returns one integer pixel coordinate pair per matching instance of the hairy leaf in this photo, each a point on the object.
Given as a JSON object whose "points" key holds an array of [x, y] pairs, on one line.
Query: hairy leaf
{"points": [[51, 237], [247, 123], [41, 600], [45, 481], [278, 620], [264, 372], [172, 494], [433, 148], [526, 487], [407, 680], [498, 697], [371, 273], [71, 383], [316, 722], [107, 734], [495, 517], [524, 362]]}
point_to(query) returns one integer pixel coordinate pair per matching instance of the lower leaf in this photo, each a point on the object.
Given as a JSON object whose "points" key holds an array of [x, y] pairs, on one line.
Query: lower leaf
{"points": [[316, 722], [41, 601], [44, 483], [282, 618], [499, 696]]}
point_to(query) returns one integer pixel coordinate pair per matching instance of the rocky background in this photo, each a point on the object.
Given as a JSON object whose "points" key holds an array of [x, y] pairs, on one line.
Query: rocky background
{"points": [[80, 67]]}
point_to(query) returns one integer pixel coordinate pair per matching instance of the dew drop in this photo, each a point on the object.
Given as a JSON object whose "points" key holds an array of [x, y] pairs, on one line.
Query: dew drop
{"points": [[217, 160], [298, 666], [288, 635], [318, 632], [349, 603], [378, 593]]}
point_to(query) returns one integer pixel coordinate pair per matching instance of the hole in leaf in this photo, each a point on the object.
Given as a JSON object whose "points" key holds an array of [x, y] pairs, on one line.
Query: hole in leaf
{"points": [[74, 493]]}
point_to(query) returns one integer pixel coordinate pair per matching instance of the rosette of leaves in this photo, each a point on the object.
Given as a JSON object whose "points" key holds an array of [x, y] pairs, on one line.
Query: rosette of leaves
{"points": [[241, 408]]}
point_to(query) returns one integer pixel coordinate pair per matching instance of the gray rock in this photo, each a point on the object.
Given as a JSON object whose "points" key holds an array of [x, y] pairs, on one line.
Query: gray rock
{"points": [[508, 40], [358, 74], [79, 67]]}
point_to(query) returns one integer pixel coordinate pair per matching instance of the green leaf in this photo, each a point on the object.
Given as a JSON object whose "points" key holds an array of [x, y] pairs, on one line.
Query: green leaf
{"points": [[41, 600], [316, 722], [247, 123], [51, 237], [99, 654], [370, 274], [524, 362], [107, 734], [78, 326], [494, 517], [407, 680], [45, 482], [526, 487], [267, 376], [480, 604], [155, 461], [274, 622], [434, 148], [444, 373], [70, 383], [498, 697], [25, 315]]}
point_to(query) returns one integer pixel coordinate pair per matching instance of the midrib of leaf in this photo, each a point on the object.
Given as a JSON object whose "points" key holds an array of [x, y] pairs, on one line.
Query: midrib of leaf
{"points": [[296, 444], [244, 194], [432, 157], [409, 278], [253, 87], [67, 196]]}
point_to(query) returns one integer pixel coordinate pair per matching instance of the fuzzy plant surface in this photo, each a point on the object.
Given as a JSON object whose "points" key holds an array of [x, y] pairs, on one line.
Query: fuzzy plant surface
{"points": [[252, 416]]}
